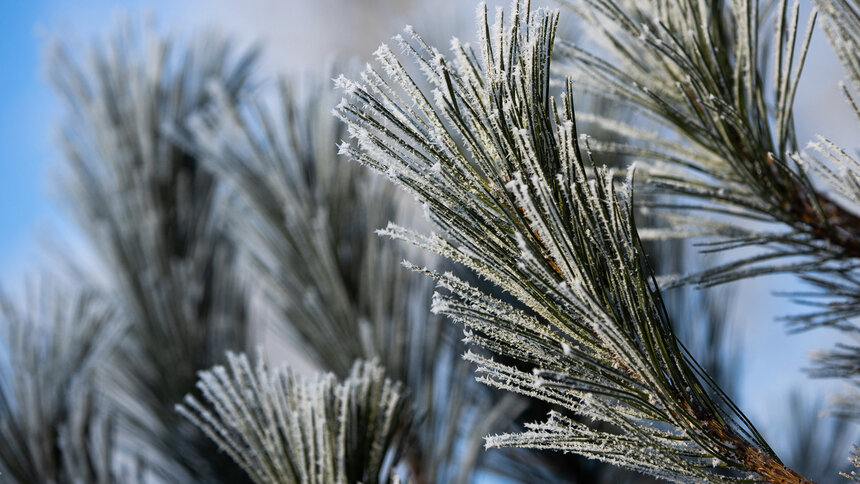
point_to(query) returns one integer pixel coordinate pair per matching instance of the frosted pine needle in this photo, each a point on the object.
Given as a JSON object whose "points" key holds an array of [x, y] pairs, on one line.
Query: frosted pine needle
{"points": [[282, 428], [518, 201]]}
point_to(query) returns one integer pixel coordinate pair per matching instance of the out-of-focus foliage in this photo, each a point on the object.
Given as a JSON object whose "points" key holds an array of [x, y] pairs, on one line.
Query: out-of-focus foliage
{"points": [[152, 213], [55, 425]]}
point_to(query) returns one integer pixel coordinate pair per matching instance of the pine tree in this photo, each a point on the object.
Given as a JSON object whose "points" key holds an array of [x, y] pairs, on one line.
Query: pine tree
{"points": [[227, 216]]}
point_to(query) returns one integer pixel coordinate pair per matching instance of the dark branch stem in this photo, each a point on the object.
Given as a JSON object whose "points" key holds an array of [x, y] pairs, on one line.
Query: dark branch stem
{"points": [[771, 469], [839, 227]]}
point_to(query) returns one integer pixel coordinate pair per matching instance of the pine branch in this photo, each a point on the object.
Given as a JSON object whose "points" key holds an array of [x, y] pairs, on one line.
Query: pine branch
{"points": [[55, 426], [693, 69], [151, 211], [305, 218], [501, 172], [283, 429], [724, 158]]}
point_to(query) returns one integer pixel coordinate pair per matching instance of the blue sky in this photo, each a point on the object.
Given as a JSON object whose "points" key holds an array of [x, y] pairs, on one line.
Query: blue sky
{"points": [[24, 142]]}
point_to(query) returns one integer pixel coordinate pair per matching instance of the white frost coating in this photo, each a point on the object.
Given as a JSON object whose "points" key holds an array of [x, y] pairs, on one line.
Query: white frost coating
{"points": [[438, 98], [438, 58], [294, 411], [439, 305], [426, 211], [349, 87], [343, 148], [631, 171]]}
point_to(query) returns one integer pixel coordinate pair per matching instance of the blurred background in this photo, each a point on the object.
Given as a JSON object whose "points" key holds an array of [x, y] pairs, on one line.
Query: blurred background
{"points": [[298, 37]]}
